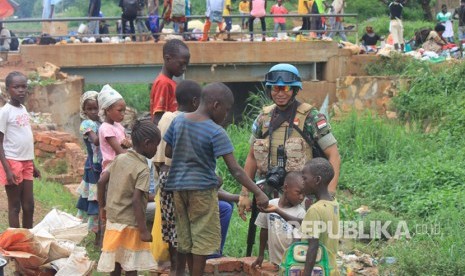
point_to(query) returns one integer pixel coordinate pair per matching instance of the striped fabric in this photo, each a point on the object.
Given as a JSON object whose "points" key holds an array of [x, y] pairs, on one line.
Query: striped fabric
{"points": [[196, 146]]}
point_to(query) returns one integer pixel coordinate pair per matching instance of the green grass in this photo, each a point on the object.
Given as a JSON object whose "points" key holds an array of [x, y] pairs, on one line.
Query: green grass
{"points": [[54, 195], [136, 95]]}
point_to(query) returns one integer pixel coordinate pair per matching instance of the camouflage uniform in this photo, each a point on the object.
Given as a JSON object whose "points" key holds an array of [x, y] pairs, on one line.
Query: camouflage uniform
{"points": [[313, 124]]}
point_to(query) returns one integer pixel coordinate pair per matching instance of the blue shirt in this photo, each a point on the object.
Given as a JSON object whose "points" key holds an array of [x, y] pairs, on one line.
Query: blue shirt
{"points": [[196, 146]]}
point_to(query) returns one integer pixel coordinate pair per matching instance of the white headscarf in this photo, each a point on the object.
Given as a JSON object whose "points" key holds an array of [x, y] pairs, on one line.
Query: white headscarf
{"points": [[89, 95], [107, 97]]}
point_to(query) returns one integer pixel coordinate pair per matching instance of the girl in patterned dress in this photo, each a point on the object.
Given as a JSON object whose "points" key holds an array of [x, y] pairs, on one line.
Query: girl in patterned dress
{"points": [[87, 203]]}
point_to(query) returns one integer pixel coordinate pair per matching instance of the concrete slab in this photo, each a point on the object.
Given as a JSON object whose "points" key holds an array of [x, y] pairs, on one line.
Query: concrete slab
{"points": [[149, 53]]}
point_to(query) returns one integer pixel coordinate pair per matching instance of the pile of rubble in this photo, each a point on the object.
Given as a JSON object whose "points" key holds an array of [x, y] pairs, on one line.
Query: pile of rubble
{"points": [[56, 147]]}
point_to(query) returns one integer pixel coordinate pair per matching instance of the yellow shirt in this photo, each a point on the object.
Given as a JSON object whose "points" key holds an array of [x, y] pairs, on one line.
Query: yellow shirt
{"points": [[226, 11], [302, 7], [132, 170], [244, 7], [326, 212]]}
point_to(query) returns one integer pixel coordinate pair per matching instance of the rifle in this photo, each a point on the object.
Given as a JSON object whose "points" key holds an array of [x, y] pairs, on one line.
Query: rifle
{"points": [[254, 213], [252, 228]]}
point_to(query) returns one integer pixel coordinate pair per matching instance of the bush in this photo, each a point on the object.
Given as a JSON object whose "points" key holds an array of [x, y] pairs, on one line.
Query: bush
{"points": [[432, 252], [136, 95]]}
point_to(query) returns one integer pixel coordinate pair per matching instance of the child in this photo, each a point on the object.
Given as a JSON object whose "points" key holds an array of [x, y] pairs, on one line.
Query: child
{"points": [[177, 15], [279, 22], [275, 231], [396, 27], [17, 168], [87, 204], [188, 97], [176, 57], [244, 10], [111, 134], [194, 140], [214, 13], [227, 19], [445, 18], [257, 10], [126, 244], [370, 39], [317, 175]]}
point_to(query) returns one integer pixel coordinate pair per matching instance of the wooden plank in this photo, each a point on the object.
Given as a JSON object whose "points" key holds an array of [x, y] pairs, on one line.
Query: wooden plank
{"points": [[149, 53]]}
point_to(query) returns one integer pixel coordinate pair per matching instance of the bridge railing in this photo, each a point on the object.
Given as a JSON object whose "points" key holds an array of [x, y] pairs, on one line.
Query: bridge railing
{"points": [[30, 28]]}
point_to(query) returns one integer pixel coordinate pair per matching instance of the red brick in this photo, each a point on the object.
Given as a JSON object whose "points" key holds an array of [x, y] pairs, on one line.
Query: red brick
{"points": [[60, 154], [209, 267], [75, 156], [62, 178], [46, 147], [55, 142], [38, 136], [247, 264], [38, 153], [65, 137], [77, 179], [46, 138], [267, 266], [269, 273], [228, 264]]}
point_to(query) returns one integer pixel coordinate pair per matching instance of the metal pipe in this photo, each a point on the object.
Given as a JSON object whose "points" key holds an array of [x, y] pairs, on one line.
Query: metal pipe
{"points": [[71, 19]]}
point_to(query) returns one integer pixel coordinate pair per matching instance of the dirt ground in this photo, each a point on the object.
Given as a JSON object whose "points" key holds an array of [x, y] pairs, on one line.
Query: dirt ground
{"points": [[39, 214]]}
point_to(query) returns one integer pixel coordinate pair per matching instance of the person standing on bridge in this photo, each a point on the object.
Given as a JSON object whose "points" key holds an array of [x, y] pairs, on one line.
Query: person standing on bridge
{"points": [[337, 8], [303, 9], [214, 13], [94, 11], [257, 10], [396, 28], [285, 136], [279, 22], [48, 8], [176, 57]]}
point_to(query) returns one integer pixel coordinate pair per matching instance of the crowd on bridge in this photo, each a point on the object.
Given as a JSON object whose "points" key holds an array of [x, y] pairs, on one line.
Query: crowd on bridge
{"points": [[177, 12]]}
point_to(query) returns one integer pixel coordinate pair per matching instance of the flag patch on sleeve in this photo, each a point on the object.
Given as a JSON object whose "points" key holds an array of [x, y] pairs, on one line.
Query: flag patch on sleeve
{"points": [[321, 124]]}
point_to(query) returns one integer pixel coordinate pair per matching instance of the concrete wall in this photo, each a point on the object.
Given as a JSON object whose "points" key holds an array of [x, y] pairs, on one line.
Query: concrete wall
{"points": [[367, 92], [336, 68], [61, 99]]}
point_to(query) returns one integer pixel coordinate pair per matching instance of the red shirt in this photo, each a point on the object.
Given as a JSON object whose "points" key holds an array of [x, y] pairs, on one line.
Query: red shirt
{"points": [[275, 9], [162, 95]]}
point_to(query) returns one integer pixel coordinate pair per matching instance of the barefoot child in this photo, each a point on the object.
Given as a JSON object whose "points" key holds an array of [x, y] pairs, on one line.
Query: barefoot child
{"points": [[126, 243], [194, 142], [188, 97], [276, 233], [87, 204], [17, 168]]}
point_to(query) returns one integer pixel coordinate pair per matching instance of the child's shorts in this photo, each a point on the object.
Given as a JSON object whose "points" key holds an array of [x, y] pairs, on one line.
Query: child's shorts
{"points": [[23, 170], [197, 221]]}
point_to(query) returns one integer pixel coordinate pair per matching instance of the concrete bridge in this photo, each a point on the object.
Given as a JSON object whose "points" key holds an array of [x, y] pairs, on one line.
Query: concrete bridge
{"points": [[320, 62]]}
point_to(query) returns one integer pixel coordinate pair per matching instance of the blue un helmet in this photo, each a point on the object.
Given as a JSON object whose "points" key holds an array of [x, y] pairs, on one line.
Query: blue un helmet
{"points": [[283, 74]]}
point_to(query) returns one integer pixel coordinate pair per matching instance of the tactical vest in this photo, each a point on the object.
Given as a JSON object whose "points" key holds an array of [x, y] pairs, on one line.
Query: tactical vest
{"points": [[296, 149]]}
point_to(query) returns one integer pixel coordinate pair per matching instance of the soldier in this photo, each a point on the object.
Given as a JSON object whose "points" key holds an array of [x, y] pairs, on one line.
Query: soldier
{"points": [[286, 135]]}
